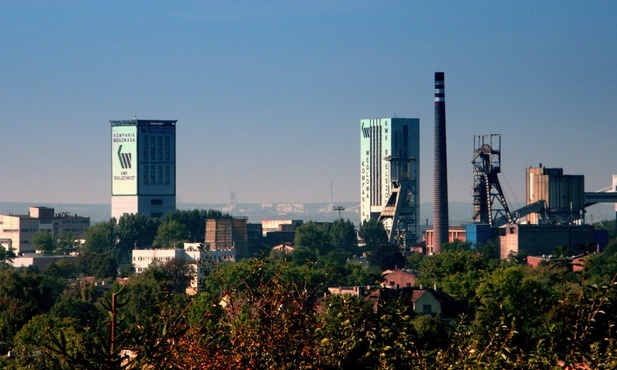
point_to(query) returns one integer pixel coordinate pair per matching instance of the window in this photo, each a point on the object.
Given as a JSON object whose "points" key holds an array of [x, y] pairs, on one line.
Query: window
{"points": [[426, 309], [167, 148], [160, 158], [156, 202], [146, 147], [145, 174]]}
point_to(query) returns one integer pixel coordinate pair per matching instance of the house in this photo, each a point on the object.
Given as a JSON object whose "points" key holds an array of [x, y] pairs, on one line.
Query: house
{"points": [[398, 279], [428, 302]]}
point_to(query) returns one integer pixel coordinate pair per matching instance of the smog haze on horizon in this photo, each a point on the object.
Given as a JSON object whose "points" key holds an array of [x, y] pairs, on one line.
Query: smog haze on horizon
{"points": [[269, 95]]}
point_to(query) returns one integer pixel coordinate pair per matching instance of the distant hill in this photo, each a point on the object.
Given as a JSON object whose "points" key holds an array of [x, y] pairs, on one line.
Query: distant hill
{"points": [[460, 212]]}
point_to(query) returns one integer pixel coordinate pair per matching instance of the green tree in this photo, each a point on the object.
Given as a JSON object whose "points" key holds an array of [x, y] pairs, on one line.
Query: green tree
{"points": [[503, 292], [413, 260], [171, 234], [44, 241], [32, 350], [97, 257], [64, 268], [457, 245], [314, 236], [373, 233], [603, 266], [6, 256], [386, 256], [134, 231], [194, 221], [347, 333], [608, 225], [24, 293], [66, 243], [343, 235], [101, 238], [269, 320], [457, 272], [303, 255]]}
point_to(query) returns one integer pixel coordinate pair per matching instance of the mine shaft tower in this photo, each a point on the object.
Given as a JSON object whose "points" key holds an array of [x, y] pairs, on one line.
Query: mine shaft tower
{"points": [[489, 202], [399, 215]]}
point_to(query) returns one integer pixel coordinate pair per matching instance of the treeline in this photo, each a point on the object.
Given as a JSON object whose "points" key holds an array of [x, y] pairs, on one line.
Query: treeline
{"points": [[108, 245], [271, 313]]}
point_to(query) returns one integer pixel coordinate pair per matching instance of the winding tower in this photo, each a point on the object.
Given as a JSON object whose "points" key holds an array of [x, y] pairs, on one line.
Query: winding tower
{"points": [[489, 202]]}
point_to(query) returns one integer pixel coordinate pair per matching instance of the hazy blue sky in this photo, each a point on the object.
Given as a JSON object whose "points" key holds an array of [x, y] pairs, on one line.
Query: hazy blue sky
{"points": [[269, 95]]}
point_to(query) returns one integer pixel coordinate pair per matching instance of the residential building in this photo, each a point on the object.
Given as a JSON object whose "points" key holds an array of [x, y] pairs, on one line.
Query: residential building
{"points": [[398, 279], [143, 166]]}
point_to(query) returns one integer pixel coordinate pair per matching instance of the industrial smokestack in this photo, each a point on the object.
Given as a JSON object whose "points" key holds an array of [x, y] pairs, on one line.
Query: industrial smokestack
{"points": [[440, 190]]}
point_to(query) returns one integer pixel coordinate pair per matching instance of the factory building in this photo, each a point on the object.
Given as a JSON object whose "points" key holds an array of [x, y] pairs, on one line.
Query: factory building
{"points": [[454, 233], [17, 231], [143, 166], [552, 217], [390, 192], [194, 254], [228, 234], [538, 240], [564, 195]]}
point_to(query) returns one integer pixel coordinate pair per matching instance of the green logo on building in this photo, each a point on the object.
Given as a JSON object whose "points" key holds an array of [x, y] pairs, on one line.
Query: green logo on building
{"points": [[125, 159]]}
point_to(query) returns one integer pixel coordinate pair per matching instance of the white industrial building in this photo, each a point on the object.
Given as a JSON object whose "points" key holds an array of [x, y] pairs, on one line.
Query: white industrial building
{"points": [[17, 231], [198, 257], [389, 170], [143, 166]]}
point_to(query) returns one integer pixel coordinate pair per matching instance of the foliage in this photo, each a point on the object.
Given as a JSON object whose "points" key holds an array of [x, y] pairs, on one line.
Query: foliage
{"points": [[265, 323], [134, 231], [413, 260], [386, 256], [98, 254], [314, 237], [457, 272], [6, 256], [343, 235], [171, 234], [373, 233], [194, 221], [66, 243], [44, 241], [270, 313], [608, 225], [100, 238], [24, 293]]}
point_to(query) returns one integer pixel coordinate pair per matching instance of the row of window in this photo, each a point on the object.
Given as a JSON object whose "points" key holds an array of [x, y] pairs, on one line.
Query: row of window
{"points": [[157, 175], [153, 148], [152, 258]]}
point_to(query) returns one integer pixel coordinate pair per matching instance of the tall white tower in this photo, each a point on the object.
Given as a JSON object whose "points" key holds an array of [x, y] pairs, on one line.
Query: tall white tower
{"points": [[143, 167], [389, 170]]}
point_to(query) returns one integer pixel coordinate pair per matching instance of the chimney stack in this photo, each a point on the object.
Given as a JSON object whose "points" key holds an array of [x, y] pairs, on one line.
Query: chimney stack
{"points": [[440, 189]]}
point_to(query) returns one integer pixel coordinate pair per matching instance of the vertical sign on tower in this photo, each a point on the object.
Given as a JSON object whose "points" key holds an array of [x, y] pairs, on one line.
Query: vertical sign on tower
{"points": [[124, 160]]}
